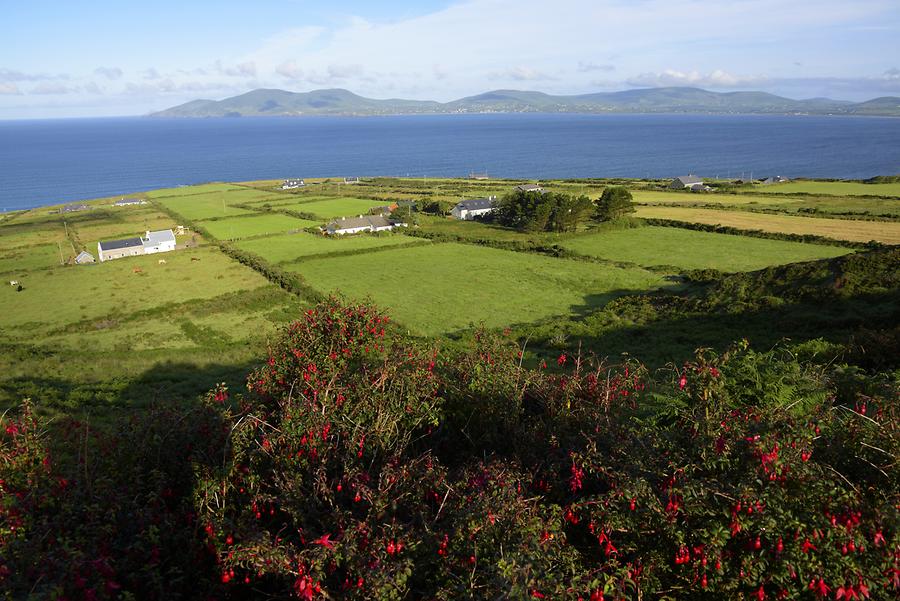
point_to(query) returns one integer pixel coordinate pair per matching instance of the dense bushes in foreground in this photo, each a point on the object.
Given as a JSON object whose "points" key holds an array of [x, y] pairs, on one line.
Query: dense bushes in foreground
{"points": [[359, 465]]}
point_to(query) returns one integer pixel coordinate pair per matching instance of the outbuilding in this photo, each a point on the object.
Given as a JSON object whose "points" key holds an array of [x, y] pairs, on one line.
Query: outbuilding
{"points": [[686, 182], [159, 242], [84, 258], [363, 223], [475, 207]]}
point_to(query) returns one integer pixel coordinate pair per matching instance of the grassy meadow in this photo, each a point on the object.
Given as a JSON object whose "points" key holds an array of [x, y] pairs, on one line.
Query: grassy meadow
{"points": [[442, 288], [688, 249], [288, 248], [246, 226], [125, 332]]}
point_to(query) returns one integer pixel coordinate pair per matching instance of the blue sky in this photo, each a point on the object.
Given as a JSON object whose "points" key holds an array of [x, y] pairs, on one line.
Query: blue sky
{"points": [[95, 58]]}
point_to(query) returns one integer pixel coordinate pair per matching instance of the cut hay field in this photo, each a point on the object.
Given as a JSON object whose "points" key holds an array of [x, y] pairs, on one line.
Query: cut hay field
{"points": [[246, 226], [652, 197], [836, 229], [443, 288], [21, 260], [833, 188], [197, 189], [287, 248], [688, 249]]}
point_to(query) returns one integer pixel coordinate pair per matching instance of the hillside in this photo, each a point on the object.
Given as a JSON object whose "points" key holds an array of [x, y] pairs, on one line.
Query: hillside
{"points": [[272, 102]]}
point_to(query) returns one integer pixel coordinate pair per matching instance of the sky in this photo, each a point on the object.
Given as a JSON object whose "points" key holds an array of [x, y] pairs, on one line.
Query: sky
{"points": [[129, 57]]}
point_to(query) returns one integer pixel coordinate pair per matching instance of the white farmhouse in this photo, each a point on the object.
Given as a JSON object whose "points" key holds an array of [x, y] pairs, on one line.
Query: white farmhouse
{"points": [[159, 242], [154, 242], [476, 207], [292, 184], [363, 223]]}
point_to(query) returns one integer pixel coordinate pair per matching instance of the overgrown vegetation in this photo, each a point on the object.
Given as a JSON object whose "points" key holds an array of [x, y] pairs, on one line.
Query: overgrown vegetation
{"points": [[360, 464]]}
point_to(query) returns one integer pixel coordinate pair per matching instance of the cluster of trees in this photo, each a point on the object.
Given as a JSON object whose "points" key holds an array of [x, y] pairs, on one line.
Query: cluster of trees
{"points": [[558, 212]]}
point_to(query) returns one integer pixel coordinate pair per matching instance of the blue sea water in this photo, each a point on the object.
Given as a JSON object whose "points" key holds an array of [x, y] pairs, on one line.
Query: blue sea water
{"points": [[51, 161]]}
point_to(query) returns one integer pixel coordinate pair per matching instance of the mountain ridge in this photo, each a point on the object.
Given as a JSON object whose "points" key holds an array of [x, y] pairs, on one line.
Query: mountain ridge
{"points": [[338, 101]]}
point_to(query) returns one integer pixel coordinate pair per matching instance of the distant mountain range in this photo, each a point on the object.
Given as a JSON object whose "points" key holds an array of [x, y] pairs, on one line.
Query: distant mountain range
{"points": [[264, 102]]}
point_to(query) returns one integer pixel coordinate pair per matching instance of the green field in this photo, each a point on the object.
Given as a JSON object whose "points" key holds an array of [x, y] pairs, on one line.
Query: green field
{"points": [[662, 197], [254, 225], [23, 259], [186, 190], [337, 207], [833, 188], [66, 295], [687, 249], [886, 232], [443, 288], [213, 205], [286, 248]]}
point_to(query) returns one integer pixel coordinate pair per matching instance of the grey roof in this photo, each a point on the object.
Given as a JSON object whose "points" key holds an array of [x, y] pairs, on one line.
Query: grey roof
{"points": [[117, 244], [349, 223], [75, 207], [475, 204], [84, 256], [529, 188], [688, 180], [160, 237], [129, 201]]}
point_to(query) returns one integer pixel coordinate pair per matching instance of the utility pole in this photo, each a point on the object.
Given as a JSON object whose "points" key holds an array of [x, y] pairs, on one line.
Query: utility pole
{"points": [[59, 248]]}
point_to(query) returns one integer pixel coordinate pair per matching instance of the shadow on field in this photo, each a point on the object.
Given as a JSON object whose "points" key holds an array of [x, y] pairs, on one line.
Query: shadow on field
{"points": [[673, 338], [169, 383]]}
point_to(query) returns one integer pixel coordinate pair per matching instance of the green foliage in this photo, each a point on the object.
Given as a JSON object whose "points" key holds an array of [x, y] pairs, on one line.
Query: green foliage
{"points": [[614, 203], [543, 211]]}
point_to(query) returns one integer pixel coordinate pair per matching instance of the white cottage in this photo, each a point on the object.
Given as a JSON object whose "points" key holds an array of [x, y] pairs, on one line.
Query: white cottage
{"points": [[158, 242], [363, 223], [476, 207]]}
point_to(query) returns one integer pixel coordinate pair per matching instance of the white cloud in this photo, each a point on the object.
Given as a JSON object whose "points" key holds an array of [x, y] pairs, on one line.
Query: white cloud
{"points": [[713, 79], [9, 89], [109, 72], [520, 74], [52, 88], [892, 74], [150, 73], [91, 87], [14, 75], [245, 69], [289, 70], [589, 67]]}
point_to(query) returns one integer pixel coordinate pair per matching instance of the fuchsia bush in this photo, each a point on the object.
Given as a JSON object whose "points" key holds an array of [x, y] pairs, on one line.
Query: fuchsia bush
{"points": [[361, 465]]}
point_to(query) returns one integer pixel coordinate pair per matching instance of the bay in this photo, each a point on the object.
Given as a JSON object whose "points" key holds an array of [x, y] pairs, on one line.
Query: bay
{"points": [[52, 161]]}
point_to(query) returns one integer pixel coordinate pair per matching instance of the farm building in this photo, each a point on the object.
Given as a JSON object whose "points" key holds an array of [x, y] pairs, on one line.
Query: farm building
{"points": [[384, 209], [74, 208], [351, 180], [84, 258], [775, 179], [479, 176], [116, 249], [476, 207], [127, 202], [363, 223], [159, 242], [530, 188], [292, 184], [686, 182], [153, 242]]}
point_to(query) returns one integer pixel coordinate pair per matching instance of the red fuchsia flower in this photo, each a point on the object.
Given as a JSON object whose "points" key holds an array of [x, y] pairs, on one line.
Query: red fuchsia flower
{"points": [[878, 539], [632, 504], [805, 455], [682, 382], [597, 595], [561, 360], [576, 481], [682, 555], [807, 546], [536, 594], [325, 541], [761, 593]]}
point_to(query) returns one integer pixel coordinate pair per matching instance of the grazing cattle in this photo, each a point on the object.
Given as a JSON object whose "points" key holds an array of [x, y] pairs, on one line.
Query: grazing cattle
{"points": [[195, 258], [161, 262], [13, 282], [137, 270]]}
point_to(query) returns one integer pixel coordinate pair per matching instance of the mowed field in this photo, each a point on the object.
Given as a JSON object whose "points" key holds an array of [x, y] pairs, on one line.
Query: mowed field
{"points": [[287, 248], [886, 232], [688, 249], [652, 197], [441, 288], [245, 226], [833, 188]]}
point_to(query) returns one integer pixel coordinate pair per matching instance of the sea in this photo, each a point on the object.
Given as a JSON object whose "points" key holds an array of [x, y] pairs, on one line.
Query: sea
{"points": [[46, 162]]}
